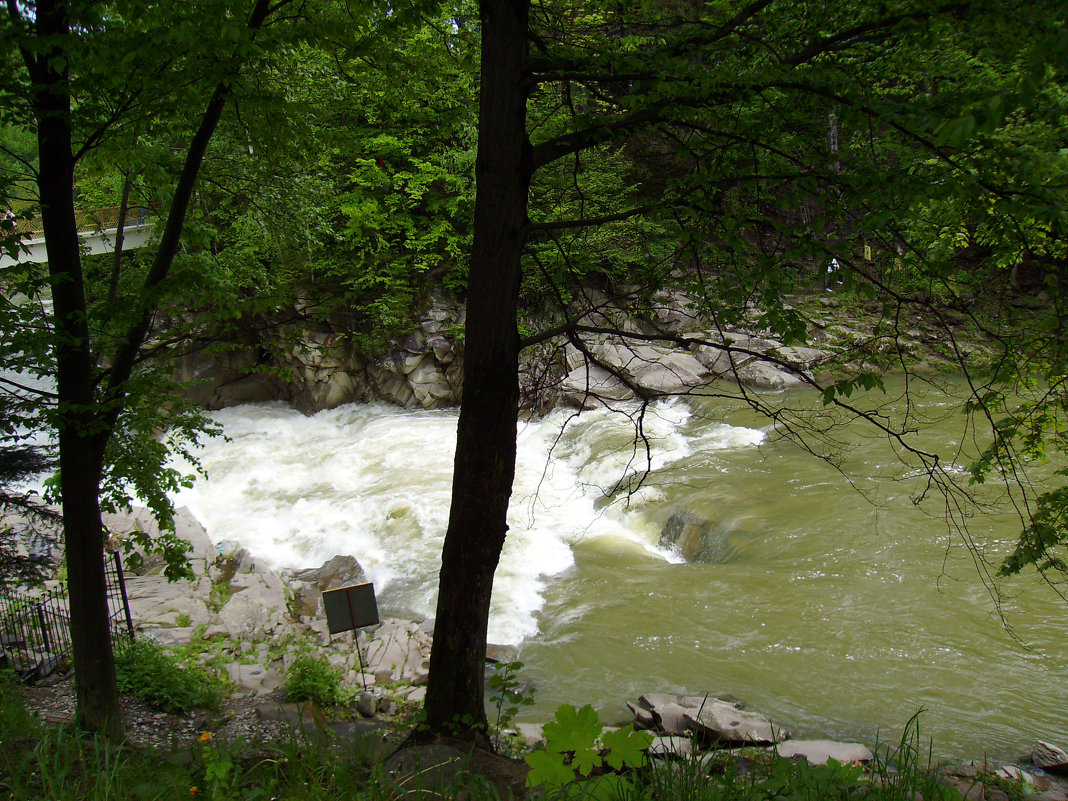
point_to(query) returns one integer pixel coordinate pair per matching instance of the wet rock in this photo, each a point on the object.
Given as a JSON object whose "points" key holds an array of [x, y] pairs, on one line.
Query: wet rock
{"points": [[673, 719], [723, 723], [765, 375], [309, 584], [696, 539], [667, 713], [677, 747], [589, 387], [817, 752], [643, 718], [1050, 757]]}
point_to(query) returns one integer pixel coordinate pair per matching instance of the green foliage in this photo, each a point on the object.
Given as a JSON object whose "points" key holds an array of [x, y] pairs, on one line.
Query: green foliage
{"points": [[311, 678], [507, 695], [845, 387], [576, 746], [37, 762], [148, 671]]}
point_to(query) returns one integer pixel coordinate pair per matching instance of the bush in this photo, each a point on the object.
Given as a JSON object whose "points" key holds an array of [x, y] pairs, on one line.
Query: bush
{"points": [[148, 671], [312, 678]]}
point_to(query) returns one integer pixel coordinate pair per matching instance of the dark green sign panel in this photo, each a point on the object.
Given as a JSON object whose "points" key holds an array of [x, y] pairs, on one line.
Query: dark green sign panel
{"points": [[350, 607]]}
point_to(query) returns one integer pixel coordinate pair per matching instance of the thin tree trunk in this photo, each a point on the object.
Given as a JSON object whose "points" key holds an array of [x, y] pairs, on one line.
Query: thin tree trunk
{"points": [[120, 228], [486, 435]]}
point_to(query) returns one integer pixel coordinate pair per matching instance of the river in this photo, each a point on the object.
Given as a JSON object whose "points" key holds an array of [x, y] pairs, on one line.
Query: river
{"points": [[841, 608]]}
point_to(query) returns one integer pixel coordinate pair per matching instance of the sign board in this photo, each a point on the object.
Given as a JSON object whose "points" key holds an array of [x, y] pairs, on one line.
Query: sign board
{"points": [[351, 607]]}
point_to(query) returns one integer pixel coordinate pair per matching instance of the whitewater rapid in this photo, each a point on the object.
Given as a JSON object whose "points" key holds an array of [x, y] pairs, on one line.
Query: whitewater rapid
{"points": [[374, 482]]}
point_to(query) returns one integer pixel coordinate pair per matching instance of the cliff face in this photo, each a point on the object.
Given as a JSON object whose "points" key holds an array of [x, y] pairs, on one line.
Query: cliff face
{"points": [[669, 351], [318, 368]]}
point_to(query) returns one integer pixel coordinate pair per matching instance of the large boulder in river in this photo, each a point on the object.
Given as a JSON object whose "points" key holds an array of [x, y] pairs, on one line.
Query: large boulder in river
{"points": [[666, 712], [1050, 757], [309, 584], [695, 538], [725, 724]]}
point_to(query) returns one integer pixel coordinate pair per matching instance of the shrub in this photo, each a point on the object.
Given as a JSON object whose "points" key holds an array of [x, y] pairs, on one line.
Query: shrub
{"points": [[148, 671], [312, 678]]}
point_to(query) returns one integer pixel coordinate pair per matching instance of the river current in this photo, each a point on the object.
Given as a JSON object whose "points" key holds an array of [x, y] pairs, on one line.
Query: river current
{"points": [[839, 608]]}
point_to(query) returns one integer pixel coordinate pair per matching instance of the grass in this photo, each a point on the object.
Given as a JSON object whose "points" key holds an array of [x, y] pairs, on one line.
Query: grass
{"points": [[38, 762], [149, 671]]}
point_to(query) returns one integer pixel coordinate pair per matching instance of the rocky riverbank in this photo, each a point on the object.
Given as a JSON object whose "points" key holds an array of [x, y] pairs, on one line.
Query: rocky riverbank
{"points": [[249, 623], [673, 352]]}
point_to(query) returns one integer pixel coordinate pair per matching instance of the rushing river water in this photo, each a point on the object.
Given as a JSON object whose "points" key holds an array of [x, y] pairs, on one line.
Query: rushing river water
{"points": [[841, 609]]}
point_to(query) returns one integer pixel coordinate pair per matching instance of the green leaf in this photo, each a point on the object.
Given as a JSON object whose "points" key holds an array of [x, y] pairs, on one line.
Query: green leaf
{"points": [[626, 747], [548, 768], [573, 730]]}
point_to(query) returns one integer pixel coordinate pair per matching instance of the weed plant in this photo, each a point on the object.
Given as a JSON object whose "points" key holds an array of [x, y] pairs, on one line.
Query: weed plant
{"points": [[148, 671], [312, 678]]}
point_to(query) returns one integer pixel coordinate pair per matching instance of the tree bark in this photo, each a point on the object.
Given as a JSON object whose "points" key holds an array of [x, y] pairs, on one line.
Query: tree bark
{"points": [[486, 434], [80, 463], [120, 235]]}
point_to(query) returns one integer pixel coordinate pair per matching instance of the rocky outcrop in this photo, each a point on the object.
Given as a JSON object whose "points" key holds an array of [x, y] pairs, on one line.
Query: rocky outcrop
{"points": [[307, 586], [321, 369], [264, 620], [721, 722], [423, 371], [615, 368], [695, 538]]}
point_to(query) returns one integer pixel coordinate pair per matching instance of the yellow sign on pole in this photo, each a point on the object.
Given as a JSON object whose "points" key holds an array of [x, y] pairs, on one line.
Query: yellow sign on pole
{"points": [[867, 252]]}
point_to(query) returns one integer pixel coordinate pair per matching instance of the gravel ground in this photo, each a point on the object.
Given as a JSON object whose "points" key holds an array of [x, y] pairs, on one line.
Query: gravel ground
{"points": [[147, 727]]}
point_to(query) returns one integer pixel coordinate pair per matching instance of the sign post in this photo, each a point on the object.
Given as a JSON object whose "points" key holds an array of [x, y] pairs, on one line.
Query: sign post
{"points": [[350, 608]]}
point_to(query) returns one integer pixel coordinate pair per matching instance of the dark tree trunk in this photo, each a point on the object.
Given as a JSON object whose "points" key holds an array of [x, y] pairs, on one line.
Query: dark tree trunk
{"points": [[120, 235], [486, 436], [79, 460], [86, 418]]}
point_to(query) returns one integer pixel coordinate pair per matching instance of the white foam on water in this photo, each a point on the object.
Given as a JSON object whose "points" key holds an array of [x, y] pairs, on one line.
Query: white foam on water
{"points": [[374, 481]]}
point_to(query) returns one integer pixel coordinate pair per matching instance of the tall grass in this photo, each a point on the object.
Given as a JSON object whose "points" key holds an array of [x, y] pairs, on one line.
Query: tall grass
{"points": [[902, 772], [38, 762]]}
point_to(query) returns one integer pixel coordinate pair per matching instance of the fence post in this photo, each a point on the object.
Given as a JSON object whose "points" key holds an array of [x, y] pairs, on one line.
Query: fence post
{"points": [[122, 591], [44, 627]]}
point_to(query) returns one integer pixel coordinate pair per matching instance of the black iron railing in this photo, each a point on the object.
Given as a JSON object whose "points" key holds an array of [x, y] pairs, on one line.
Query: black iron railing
{"points": [[35, 628]]}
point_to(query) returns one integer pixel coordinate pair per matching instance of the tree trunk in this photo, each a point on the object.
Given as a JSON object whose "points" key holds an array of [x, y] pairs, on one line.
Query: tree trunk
{"points": [[486, 436], [79, 461], [120, 235]]}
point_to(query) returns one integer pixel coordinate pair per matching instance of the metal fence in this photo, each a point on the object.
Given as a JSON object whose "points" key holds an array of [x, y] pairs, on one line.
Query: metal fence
{"points": [[35, 629], [94, 219]]}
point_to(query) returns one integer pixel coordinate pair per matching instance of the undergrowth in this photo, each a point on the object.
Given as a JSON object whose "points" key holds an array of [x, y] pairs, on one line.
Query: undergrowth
{"points": [[150, 672], [312, 678], [37, 762]]}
